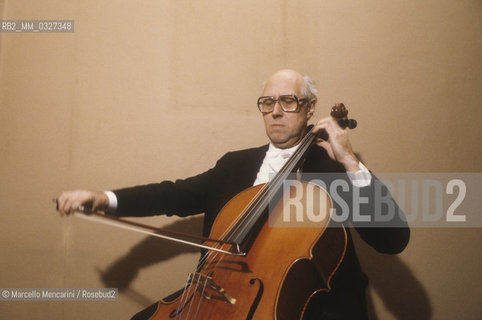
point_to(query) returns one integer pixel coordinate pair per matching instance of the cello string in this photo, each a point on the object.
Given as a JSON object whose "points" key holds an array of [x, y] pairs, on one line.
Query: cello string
{"points": [[182, 300], [194, 297], [191, 293], [200, 299], [201, 295]]}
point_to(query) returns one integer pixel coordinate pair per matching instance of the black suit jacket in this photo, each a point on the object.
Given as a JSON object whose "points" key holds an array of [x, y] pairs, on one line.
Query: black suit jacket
{"points": [[208, 192]]}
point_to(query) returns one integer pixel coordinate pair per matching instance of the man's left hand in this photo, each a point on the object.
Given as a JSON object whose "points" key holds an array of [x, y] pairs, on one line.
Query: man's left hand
{"points": [[338, 145]]}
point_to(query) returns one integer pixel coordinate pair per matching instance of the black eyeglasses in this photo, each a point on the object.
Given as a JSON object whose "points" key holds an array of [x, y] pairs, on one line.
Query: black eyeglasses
{"points": [[287, 102]]}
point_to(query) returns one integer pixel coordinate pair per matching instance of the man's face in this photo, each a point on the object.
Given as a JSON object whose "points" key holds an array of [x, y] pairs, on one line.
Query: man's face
{"points": [[286, 129]]}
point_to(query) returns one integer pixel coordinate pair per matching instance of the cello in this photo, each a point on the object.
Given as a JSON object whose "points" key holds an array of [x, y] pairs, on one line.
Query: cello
{"points": [[261, 268]]}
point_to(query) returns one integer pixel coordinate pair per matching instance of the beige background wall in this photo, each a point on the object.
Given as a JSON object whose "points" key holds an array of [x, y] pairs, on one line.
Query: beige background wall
{"points": [[149, 90]]}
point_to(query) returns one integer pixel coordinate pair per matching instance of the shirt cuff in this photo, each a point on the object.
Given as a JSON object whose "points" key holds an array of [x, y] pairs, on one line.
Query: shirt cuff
{"points": [[112, 200], [361, 178]]}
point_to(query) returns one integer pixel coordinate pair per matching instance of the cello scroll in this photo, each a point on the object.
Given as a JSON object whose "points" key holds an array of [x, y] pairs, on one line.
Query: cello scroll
{"points": [[340, 112]]}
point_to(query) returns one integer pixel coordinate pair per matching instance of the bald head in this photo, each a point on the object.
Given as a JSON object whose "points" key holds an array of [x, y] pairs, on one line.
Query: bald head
{"points": [[303, 84], [287, 74], [285, 79]]}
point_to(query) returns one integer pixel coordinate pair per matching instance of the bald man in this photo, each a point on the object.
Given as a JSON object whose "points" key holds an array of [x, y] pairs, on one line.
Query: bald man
{"points": [[287, 104]]}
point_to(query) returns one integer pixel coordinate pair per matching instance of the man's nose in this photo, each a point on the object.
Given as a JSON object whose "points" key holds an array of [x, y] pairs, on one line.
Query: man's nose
{"points": [[277, 110]]}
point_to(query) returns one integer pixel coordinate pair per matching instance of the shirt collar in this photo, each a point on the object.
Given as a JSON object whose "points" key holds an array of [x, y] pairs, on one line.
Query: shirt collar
{"points": [[285, 153]]}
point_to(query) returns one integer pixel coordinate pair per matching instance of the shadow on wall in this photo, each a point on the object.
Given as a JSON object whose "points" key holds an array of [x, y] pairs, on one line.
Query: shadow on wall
{"points": [[401, 293], [148, 252]]}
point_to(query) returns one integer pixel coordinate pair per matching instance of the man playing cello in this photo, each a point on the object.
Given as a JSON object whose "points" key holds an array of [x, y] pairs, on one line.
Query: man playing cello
{"points": [[287, 103]]}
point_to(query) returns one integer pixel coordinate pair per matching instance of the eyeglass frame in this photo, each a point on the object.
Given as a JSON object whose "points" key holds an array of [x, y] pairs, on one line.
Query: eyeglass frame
{"points": [[299, 103]]}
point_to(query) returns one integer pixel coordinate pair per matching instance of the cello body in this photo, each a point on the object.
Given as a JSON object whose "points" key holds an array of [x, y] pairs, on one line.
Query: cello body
{"points": [[285, 266]]}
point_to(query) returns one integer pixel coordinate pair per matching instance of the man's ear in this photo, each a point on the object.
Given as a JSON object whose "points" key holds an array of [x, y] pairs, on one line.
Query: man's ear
{"points": [[311, 109]]}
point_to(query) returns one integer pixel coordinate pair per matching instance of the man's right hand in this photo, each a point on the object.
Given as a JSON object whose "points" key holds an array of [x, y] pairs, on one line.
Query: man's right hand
{"points": [[70, 201]]}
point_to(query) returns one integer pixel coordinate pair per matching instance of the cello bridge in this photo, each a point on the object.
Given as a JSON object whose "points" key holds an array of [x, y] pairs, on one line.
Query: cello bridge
{"points": [[207, 282]]}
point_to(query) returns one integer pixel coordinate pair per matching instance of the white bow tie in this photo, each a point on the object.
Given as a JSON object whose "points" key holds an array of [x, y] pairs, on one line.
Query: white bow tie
{"points": [[277, 158], [274, 160]]}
